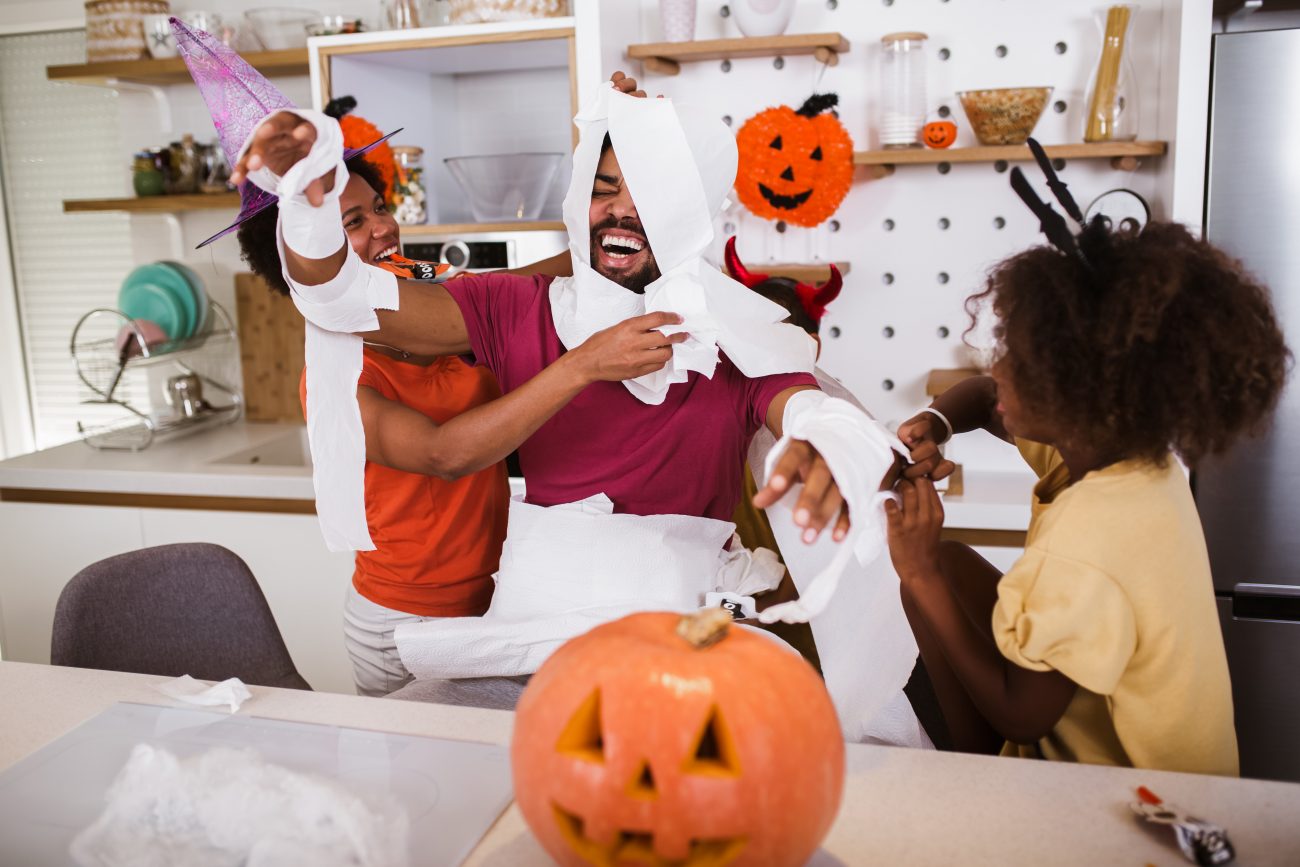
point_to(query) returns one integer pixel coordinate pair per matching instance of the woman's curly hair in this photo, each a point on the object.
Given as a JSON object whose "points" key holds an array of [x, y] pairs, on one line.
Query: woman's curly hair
{"points": [[257, 234], [1158, 342]]}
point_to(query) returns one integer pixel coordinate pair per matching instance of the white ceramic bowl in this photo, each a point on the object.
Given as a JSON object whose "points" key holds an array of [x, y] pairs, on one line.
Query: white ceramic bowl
{"points": [[506, 186]]}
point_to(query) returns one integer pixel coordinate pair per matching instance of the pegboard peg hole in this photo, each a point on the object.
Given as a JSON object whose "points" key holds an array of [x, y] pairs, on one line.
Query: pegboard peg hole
{"points": [[887, 331], [944, 222], [1000, 51], [943, 332], [1059, 106], [944, 111], [888, 225], [725, 66], [832, 4], [778, 63], [727, 119], [944, 54], [999, 223], [781, 226], [1058, 164], [835, 331], [887, 278], [887, 385], [1061, 48], [943, 277], [1000, 166], [944, 168], [833, 225], [728, 228], [887, 2], [725, 11]]}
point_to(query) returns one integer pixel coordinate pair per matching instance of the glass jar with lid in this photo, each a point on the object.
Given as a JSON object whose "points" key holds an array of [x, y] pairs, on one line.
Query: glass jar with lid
{"points": [[408, 186], [902, 89]]}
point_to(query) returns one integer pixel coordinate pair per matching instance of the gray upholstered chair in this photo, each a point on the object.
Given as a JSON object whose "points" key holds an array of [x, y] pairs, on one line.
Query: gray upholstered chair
{"points": [[191, 609]]}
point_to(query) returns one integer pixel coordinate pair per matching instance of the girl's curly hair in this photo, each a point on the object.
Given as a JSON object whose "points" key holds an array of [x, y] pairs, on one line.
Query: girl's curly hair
{"points": [[257, 234], [1158, 342]]}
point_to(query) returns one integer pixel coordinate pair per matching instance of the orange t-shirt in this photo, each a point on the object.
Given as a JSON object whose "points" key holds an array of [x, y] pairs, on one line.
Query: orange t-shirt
{"points": [[437, 543]]}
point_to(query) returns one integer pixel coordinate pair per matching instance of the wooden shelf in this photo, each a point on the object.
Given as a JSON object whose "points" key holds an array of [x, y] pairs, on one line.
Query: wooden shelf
{"points": [[156, 204], [940, 381], [666, 58], [1125, 155], [818, 272], [172, 70], [443, 229]]}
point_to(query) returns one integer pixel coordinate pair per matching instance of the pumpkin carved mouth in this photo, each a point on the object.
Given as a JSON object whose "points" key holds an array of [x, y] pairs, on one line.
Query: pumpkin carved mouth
{"points": [[785, 203], [637, 847]]}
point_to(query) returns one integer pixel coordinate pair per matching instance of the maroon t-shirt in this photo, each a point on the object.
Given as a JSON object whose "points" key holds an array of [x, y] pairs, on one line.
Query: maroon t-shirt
{"points": [[682, 457]]}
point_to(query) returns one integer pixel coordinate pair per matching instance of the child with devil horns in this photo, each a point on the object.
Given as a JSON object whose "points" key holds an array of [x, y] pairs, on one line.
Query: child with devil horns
{"points": [[1117, 352]]}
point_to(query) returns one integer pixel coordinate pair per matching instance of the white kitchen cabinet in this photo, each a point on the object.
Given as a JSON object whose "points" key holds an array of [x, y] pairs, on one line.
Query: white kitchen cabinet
{"points": [[45, 545]]}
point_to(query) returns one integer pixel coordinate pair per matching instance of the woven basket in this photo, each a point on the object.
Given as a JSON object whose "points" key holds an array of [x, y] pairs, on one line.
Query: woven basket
{"points": [[115, 28], [477, 11]]}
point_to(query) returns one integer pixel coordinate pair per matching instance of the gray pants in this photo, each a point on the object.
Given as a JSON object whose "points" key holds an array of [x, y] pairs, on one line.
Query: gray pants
{"points": [[377, 667]]}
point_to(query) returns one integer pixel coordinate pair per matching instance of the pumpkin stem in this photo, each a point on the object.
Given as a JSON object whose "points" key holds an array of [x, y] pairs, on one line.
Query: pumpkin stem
{"points": [[817, 103], [704, 628], [337, 108]]}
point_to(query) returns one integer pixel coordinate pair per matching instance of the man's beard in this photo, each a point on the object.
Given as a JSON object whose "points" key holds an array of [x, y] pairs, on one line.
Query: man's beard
{"points": [[634, 281]]}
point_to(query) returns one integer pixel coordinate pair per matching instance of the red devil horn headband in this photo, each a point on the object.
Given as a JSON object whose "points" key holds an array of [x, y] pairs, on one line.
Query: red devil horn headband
{"points": [[813, 299]]}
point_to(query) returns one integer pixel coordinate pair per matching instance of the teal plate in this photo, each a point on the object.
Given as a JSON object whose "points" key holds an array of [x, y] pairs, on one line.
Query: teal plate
{"points": [[195, 283], [173, 283], [141, 299]]}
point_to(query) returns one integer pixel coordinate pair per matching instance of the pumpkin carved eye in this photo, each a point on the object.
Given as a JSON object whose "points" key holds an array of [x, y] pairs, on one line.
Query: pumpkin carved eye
{"points": [[582, 737], [776, 143], [817, 154], [715, 751]]}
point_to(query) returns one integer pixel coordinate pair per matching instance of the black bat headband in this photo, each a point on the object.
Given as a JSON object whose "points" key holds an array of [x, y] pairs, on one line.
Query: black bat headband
{"points": [[1051, 223]]}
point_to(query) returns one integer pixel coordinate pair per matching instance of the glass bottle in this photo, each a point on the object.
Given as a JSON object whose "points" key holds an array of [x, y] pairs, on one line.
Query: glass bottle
{"points": [[408, 186], [1112, 100], [902, 89], [145, 178], [185, 166]]}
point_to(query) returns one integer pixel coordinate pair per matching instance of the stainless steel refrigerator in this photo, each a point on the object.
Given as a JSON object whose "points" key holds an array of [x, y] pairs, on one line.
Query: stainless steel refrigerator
{"points": [[1249, 499]]}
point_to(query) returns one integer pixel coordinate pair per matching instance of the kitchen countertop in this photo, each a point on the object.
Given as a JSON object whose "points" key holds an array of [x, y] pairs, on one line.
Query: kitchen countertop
{"points": [[900, 806], [219, 464]]}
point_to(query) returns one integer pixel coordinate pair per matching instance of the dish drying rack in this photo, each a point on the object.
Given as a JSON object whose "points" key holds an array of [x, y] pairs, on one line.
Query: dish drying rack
{"points": [[101, 366]]}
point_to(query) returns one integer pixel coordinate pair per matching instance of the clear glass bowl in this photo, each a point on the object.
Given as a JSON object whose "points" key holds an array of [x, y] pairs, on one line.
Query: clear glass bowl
{"points": [[281, 27], [1004, 116], [505, 186]]}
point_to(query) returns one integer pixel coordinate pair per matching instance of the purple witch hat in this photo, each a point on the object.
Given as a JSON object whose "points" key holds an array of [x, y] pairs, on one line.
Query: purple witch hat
{"points": [[238, 98]]}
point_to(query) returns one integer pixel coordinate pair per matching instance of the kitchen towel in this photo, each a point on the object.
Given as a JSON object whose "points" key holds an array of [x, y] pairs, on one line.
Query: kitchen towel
{"points": [[568, 568], [679, 164], [865, 643]]}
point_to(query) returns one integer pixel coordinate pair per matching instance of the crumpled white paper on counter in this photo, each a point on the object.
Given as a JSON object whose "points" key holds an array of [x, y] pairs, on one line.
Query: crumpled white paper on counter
{"points": [[230, 808], [231, 692]]}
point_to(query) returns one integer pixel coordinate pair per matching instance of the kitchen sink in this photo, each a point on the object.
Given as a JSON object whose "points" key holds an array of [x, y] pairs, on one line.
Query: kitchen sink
{"points": [[287, 450]]}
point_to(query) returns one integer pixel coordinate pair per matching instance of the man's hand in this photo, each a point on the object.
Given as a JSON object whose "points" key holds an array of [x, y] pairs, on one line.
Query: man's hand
{"points": [[922, 435], [630, 349], [279, 143], [624, 84], [820, 502], [914, 530]]}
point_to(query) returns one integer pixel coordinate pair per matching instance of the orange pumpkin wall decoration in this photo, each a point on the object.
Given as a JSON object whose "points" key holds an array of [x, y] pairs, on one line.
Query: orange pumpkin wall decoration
{"points": [[795, 165], [660, 739], [939, 134]]}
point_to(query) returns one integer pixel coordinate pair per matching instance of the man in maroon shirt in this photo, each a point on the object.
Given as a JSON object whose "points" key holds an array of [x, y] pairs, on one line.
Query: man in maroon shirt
{"points": [[682, 456]]}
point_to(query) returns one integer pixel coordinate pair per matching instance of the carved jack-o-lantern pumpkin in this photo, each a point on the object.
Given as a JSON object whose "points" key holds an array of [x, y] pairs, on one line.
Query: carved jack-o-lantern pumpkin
{"points": [[939, 133], [795, 165], [639, 744]]}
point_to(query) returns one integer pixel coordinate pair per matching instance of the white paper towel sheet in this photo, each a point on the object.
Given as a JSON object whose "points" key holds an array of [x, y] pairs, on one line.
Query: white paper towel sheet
{"points": [[568, 568], [865, 643]]}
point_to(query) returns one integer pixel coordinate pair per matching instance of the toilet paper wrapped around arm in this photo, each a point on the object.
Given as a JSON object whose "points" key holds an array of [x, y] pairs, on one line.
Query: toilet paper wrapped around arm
{"points": [[849, 592], [335, 311]]}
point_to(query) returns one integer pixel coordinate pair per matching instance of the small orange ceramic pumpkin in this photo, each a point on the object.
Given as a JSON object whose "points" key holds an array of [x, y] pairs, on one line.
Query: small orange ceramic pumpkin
{"points": [[795, 165], [662, 739], [939, 133]]}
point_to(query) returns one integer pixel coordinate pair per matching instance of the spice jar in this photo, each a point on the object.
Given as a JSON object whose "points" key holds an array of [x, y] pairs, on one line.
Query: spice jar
{"points": [[186, 166], [902, 89], [408, 186], [145, 178]]}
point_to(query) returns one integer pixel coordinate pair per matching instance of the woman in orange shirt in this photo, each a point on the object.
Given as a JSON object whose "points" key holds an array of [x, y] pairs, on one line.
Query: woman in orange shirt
{"points": [[437, 431]]}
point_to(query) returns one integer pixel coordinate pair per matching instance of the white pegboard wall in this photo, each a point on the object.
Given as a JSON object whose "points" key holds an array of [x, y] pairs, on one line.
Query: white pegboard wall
{"points": [[921, 241]]}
